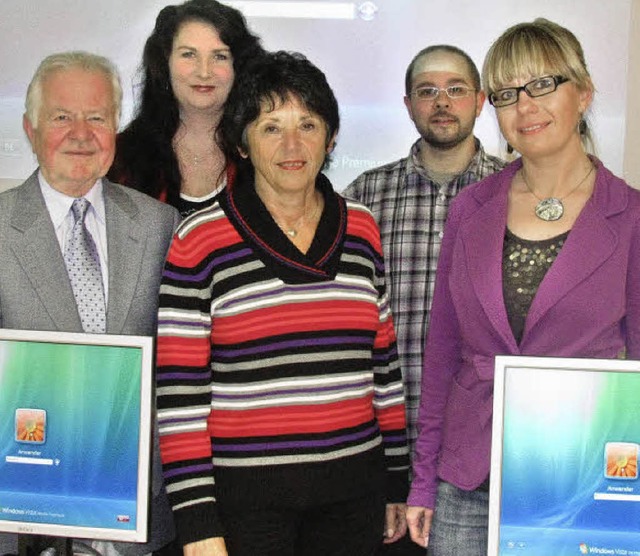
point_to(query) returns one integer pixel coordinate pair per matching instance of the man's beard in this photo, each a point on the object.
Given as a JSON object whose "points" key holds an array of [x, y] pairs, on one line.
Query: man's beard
{"points": [[447, 142]]}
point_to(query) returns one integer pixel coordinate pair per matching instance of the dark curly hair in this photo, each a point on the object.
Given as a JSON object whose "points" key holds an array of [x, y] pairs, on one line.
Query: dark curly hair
{"points": [[272, 78], [145, 158]]}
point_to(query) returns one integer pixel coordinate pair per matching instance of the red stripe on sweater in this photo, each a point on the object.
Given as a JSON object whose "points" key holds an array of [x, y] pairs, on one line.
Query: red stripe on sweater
{"points": [[192, 352], [303, 317], [362, 225], [392, 418], [201, 242], [185, 446], [295, 419]]}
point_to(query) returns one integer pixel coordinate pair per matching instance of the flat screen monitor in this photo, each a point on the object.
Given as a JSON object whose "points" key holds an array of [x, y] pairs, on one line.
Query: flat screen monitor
{"points": [[564, 473], [75, 414]]}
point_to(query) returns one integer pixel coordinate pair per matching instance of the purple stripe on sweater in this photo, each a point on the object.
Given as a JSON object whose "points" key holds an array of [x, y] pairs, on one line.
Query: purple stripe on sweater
{"points": [[382, 397], [326, 341], [385, 358], [372, 255], [185, 470], [395, 438], [186, 376], [267, 446], [183, 420], [206, 271], [302, 391], [287, 289], [180, 323]]}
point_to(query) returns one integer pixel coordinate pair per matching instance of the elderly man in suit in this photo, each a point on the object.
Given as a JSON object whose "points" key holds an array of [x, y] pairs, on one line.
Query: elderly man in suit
{"points": [[79, 253]]}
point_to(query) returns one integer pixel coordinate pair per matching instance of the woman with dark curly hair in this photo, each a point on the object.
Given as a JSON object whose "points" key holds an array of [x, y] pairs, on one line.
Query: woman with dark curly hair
{"points": [[170, 150], [280, 400]]}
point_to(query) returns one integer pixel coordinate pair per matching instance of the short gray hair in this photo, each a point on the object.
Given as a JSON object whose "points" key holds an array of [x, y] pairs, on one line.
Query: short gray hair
{"points": [[70, 60]]}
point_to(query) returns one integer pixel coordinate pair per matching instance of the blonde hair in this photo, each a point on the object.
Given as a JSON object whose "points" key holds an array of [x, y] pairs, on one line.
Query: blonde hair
{"points": [[69, 60], [534, 49]]}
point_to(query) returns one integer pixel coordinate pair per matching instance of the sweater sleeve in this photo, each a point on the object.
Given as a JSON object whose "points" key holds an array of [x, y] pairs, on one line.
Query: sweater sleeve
{"points": [[389, 401], [184, 384]]}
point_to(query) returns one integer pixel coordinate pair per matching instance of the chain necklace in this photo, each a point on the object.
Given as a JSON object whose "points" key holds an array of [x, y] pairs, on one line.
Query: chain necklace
{"points": [[551, 208], [196, 158], [293, 232]]}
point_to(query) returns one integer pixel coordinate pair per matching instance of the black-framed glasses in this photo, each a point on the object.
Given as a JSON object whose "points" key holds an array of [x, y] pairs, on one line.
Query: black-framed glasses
{"points": [[432, 93], [536, 88]]}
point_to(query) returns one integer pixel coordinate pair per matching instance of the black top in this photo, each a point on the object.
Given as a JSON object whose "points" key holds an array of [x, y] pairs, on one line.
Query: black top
{"points": [[524, 264]]}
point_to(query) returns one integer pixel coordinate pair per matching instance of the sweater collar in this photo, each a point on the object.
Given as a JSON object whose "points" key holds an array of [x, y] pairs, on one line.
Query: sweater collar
{"points": [[258, 229]]}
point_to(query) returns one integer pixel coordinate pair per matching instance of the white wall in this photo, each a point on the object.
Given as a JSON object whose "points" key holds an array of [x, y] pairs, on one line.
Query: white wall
{"points": [[364, 62]]}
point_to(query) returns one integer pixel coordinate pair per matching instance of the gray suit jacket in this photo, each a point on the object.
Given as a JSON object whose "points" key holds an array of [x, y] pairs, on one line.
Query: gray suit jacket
{"points": [[35, 293]]}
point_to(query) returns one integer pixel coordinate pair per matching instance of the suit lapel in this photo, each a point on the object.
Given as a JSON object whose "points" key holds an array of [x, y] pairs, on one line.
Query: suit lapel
{"points": [[34, 243], [483, 239], [125, 244]]}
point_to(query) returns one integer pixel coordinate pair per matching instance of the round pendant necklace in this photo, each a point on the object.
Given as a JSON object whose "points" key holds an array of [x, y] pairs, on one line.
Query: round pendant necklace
{"points": [[551, 208]]}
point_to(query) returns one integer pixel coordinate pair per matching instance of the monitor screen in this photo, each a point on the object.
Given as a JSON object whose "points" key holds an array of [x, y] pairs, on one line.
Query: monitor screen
{"points": [[566, 440], [75, 414]]}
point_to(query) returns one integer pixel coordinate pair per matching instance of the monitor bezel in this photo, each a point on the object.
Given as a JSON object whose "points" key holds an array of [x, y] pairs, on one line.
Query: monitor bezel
{"points": [[145, 344], [504, 364]]}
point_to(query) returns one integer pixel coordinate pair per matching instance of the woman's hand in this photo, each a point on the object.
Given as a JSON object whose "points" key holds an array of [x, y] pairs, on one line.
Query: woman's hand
{"points": [[208, 547], [395, 526], [419, 522]]}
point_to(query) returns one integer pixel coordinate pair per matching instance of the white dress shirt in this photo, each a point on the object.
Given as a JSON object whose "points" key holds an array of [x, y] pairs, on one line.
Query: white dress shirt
{"points": [[59, 207]]}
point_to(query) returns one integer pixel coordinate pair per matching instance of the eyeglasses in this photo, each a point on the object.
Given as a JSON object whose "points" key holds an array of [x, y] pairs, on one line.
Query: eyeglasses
{"points": [[432, 93], [536, 88]]}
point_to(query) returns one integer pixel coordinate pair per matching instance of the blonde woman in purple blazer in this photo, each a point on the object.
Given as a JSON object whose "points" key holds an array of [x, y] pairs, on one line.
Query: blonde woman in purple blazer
{"points": [[542, 258]]}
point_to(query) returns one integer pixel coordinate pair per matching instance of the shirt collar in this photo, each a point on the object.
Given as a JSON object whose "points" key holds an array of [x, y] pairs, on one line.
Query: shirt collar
{"points": [[414, 163], [59, 204]]}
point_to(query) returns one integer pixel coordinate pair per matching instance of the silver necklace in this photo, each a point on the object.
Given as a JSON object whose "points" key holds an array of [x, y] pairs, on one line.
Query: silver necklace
{"points": [[551, 208], [293, 232], [188, 154], [196, 158]]}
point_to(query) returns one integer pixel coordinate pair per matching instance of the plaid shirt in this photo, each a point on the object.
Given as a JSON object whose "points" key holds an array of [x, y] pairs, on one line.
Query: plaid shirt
{"points": [[411, 211]]}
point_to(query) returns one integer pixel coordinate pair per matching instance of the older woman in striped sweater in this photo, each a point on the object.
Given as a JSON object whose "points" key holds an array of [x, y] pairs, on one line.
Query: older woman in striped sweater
{"points": [[280, 399]]}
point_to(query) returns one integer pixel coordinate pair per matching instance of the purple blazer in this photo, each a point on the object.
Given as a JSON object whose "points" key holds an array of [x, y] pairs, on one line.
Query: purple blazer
{"points": [[588, 305]]}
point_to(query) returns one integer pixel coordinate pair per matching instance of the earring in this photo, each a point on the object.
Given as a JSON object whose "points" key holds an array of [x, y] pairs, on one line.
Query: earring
{"points": [[509, 149], [582, 127]]}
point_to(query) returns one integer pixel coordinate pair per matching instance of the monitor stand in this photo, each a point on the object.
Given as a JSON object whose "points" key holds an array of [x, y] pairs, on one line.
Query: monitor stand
{"points": [[34, 545]]}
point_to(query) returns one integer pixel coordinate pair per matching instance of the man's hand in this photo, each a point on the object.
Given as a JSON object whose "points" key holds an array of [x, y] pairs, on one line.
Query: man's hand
{"points": [[419, 522]]}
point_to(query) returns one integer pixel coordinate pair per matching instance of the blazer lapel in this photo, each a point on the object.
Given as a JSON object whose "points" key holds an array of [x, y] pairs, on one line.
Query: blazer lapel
{"points": [[34, 243], [125, 245], [483, 239], [590, 243]]}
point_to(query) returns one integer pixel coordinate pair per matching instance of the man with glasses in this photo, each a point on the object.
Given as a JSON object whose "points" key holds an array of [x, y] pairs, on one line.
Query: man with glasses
{"points": [[410, 199]]}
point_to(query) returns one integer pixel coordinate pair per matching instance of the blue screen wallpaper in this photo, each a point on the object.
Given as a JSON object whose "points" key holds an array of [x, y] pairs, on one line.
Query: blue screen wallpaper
{"points": [[69, 418], [570, 480]]}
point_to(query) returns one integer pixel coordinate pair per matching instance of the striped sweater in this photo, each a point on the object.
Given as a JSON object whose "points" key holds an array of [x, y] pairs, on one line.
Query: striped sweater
{"points": [[277, 370]]}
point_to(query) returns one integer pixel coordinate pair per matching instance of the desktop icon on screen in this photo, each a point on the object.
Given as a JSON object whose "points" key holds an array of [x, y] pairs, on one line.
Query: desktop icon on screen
{"points": [[31, 425], [621, 460]]}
